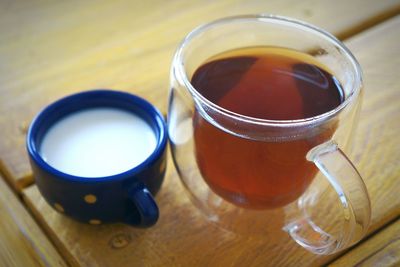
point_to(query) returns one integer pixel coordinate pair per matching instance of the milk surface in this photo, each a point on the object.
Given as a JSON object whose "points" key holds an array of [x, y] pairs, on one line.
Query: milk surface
{"points": [[98, 142]]}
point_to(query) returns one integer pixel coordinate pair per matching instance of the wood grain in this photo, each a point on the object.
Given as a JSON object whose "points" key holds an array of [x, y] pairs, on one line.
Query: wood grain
{"points": [[183, 237], [49, 49], [22, 242], [382, 249], [376, 149]]}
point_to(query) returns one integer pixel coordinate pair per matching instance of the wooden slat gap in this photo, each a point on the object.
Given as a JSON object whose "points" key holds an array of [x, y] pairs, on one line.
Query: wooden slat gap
{"points": [[68, 257], [30, 232], [18, 194], [364, 240], [369, 23], [20, 184]]}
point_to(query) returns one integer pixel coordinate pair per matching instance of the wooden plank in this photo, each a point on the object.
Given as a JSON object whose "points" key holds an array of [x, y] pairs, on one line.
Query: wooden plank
{"points": [[49, 49], [376, 149], [382, 249], [22, 242], [183, 237]]}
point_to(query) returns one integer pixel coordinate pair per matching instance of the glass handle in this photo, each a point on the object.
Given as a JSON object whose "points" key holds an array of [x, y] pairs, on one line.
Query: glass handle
{"points": [[353, 197]]}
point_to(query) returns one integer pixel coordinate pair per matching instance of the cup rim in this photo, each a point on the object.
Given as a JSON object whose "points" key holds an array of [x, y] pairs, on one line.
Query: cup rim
{"points": [[179, 69], [152, 111]]}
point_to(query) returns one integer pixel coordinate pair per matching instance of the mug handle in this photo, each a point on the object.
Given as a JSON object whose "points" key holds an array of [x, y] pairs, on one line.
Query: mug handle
{"points": [[145, 204], [354, 200]]}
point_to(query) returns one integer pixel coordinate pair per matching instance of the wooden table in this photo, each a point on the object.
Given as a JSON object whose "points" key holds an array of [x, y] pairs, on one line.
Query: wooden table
{"points": [[49, 49]]}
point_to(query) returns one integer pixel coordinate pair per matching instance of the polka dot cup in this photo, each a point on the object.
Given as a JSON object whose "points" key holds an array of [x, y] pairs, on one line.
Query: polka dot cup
{"points": [[125, 197]]}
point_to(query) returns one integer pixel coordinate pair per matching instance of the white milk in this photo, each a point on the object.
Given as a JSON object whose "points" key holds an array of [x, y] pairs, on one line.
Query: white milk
{"points": [[98, 142]]}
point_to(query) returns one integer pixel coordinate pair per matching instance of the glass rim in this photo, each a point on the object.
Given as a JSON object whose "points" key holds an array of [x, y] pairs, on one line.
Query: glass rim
{"points": [[179, 67]]}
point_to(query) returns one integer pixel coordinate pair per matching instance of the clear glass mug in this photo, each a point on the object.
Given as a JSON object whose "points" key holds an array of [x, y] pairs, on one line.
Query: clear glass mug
{"points": [[324, 206]]}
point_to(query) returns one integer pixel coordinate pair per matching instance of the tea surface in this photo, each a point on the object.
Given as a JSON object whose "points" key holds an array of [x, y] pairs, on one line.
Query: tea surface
{"points": [[267, 83]]}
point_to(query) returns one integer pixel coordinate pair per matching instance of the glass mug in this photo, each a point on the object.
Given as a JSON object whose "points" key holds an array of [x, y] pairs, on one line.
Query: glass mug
{"points": [[249, 174]]}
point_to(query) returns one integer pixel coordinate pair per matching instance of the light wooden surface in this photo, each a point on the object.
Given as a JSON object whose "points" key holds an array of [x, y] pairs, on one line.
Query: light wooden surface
{"points": [[382, 249], [22, 242], [183, 237], [49, 49], [376, 149]]}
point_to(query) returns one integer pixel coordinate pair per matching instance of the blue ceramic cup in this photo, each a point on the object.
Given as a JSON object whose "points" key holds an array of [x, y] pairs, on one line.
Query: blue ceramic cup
{"points": [[125, 197]]}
